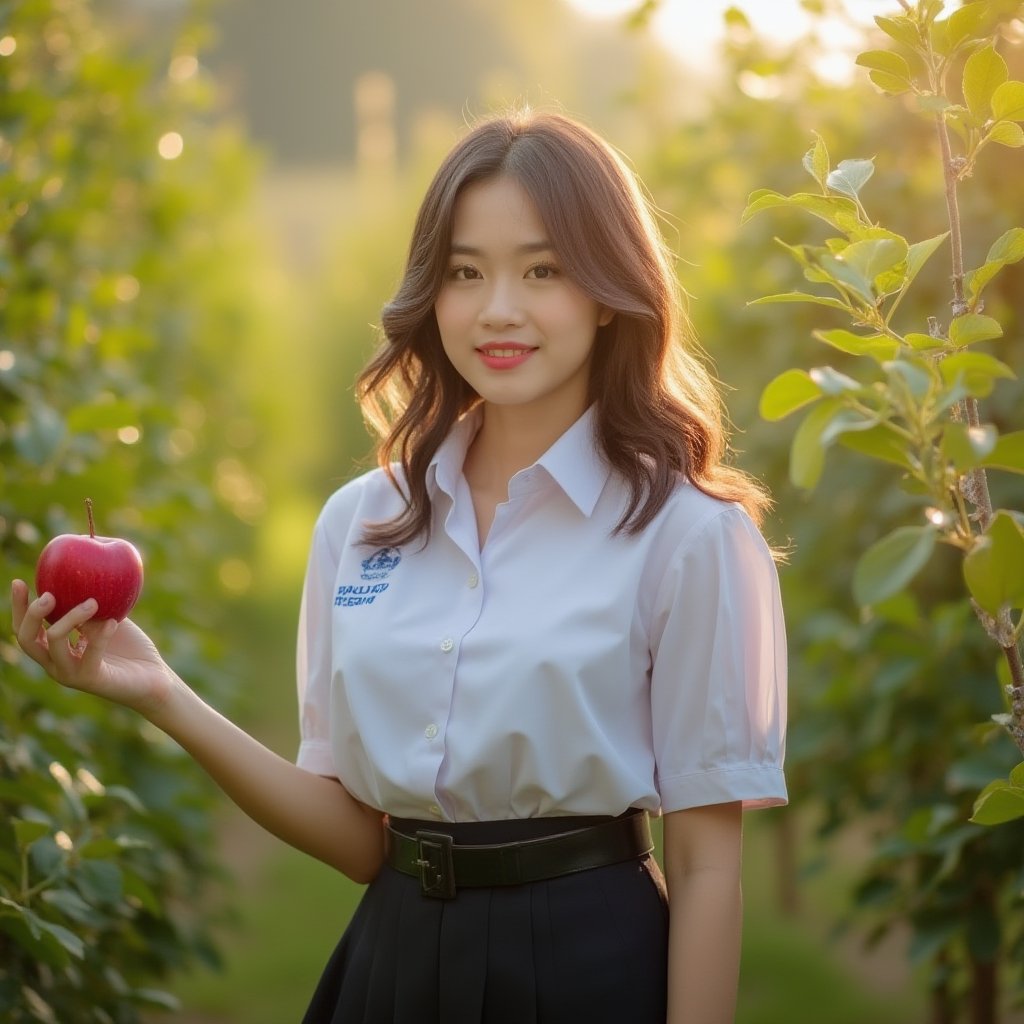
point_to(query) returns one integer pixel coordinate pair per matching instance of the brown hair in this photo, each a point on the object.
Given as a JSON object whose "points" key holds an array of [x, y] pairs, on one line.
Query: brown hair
{"points": [[659, 413]]}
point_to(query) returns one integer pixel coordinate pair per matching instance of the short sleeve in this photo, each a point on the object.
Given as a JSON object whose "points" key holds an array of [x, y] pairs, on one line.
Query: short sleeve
{"points": [[718, 677], [313, 656]]}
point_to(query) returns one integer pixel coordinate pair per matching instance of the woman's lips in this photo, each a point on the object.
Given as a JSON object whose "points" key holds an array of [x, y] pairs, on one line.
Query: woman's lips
{"points": [[504, 355]]}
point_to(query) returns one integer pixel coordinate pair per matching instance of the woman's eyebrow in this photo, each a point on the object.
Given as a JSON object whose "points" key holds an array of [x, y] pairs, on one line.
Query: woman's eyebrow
{"points": [[459, 249]]}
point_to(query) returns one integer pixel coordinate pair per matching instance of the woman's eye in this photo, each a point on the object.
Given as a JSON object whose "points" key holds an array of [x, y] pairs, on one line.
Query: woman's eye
{"points": [[543, 271], [463, 272]]}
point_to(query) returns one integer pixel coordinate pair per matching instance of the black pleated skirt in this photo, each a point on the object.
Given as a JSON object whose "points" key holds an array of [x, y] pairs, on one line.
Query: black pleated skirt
{"points": [[590, 946]]}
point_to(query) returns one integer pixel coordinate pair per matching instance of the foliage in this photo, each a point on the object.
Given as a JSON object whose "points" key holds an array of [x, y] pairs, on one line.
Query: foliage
{"points": [[915, 405], [906, 397], [114, 315]]}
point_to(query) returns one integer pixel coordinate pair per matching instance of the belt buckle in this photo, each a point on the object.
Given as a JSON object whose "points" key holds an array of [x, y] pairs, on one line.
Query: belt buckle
{"points": [[436, 864]]}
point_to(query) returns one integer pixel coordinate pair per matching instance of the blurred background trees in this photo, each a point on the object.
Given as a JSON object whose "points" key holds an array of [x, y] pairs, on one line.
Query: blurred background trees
{"points": [[183, 316]]}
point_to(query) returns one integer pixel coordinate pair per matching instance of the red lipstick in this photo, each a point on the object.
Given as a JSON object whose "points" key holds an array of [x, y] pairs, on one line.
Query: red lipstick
{"points": [[504, 355]]}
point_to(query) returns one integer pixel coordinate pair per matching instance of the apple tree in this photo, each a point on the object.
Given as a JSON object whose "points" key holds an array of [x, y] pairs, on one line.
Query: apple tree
{"points": [[903, 390], [119, 314]]}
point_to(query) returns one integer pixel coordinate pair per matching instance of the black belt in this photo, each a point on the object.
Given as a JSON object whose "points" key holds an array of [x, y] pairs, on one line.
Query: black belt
{"points": [[443, 867]]}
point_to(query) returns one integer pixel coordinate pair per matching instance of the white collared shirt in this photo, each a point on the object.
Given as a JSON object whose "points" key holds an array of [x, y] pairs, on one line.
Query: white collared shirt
{"points": [[560, 670]]}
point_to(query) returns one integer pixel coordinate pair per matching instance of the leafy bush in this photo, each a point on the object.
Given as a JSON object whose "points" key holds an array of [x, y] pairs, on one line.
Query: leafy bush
{"points": [[907, 397], [118, 325], [891, 736]]}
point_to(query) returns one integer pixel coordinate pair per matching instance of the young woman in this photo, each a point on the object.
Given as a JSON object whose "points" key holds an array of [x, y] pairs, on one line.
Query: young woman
{"points": [[546, 616]]}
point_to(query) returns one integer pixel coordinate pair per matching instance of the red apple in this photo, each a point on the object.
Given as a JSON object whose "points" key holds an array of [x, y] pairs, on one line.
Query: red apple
{"points": [[75, 567]]}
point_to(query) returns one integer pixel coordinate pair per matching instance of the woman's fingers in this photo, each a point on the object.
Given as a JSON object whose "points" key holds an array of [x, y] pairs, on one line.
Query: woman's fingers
{"points": [[28, 623], [19, 602], [97, 635], [52, 647], [65, 653]]}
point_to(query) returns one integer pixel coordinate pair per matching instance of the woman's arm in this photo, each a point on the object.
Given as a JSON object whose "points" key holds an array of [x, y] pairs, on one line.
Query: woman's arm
{"points": [[702, 853], [119, 662]]}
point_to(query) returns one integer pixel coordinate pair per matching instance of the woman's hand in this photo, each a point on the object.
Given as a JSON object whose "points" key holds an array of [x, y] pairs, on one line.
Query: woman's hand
{"points": [[110, 659], [118, 661]]}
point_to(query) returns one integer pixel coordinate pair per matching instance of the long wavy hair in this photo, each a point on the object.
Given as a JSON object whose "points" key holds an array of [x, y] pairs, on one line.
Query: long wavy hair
{"points": [[658, 410]]}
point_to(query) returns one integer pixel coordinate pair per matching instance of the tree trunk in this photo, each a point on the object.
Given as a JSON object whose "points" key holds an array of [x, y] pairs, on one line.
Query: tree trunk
{"points": [[984, 992], [942, 1008]]}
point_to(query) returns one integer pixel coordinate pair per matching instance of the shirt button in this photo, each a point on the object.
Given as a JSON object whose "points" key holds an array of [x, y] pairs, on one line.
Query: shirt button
{"points": [[431, 731], [434, 809], [447, 644], [472, 581]]}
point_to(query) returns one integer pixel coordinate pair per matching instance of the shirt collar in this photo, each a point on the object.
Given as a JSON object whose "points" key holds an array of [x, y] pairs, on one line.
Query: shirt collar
{"points": [[445, 467], [574, 462]]}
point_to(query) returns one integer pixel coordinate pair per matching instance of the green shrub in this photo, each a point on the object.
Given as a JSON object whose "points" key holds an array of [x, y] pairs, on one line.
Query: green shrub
{"points": [[120, 319]]}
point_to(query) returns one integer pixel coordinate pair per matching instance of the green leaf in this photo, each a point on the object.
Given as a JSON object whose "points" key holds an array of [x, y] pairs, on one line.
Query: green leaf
{"points": [[1006, 133], [888, 70], [879, 442], [984, 72], [877, 346], [67, 938], [71, 905], [807, 453], [1008, 102], [885, 60], [912, 376], [832, 382], [1008, 247], [99, 881], [933, 104], [923, 342], [817, 300], [966, 446], [998, 803], [1008, 453], [873, 257], [127, 796], [976, 368], [816, 160], [850, 176], [101, 847], [892, 84], [977, 371], [1017, 776], [838, 211], [892, 562], [994, 567], [786, 393], [972, 328], [155, 997], [845, 422], [841, 272], [977, 280], [27, 832], [919, 254], [901, 28], [965, 22]]}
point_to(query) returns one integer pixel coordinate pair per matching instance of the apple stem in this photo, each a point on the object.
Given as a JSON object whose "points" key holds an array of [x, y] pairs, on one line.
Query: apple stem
{"points": [[88, 512]]}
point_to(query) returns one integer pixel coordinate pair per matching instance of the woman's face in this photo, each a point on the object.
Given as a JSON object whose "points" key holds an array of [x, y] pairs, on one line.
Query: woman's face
{"points": [[513, 325]]}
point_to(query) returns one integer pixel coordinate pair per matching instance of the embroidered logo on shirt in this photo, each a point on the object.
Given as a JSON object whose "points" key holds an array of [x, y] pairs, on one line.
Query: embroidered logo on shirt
{"points": [[378, 566]]}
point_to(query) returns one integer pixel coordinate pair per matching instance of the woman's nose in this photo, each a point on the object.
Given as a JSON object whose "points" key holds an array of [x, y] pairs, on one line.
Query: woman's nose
{"points": [[501, 306]]}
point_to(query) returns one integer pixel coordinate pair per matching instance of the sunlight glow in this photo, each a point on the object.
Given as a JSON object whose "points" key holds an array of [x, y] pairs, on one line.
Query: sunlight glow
{"points": [[690, 30], [171, 145]]}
